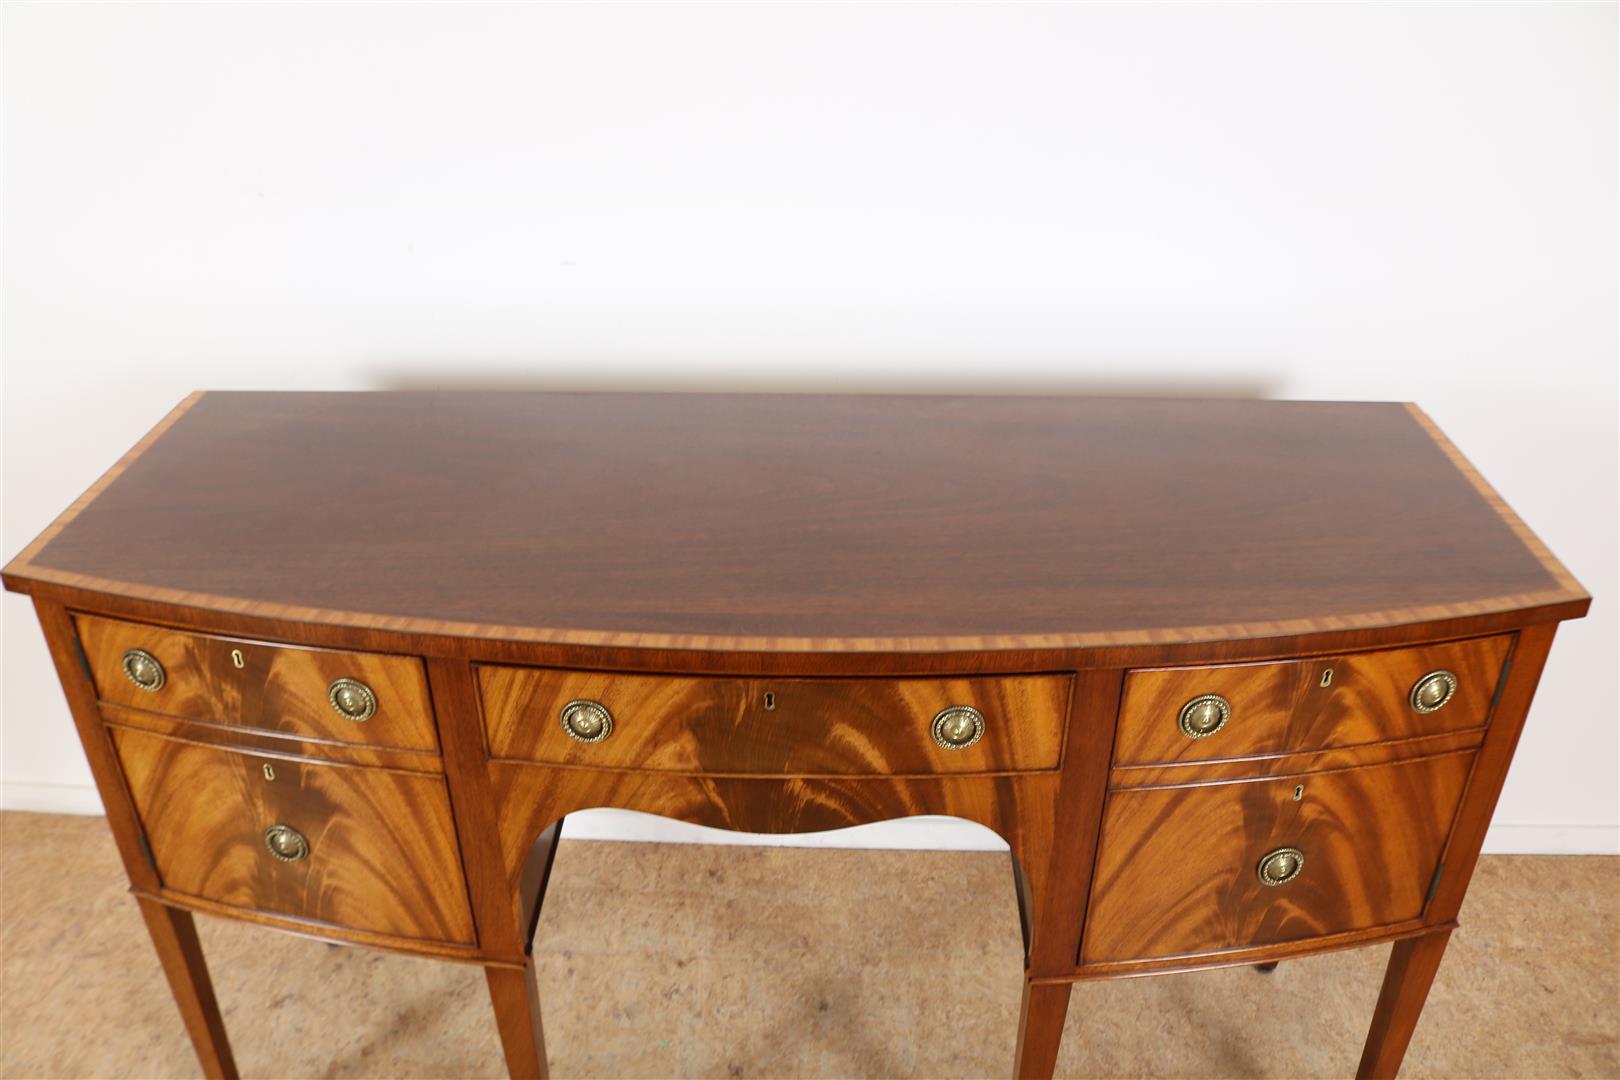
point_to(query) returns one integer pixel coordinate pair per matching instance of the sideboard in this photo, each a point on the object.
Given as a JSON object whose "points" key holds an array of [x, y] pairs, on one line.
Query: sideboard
{"points": [[1237, 681]]}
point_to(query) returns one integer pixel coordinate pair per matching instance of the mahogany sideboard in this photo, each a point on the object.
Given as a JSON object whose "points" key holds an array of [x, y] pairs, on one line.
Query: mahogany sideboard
{"points": [[1237, 681]]}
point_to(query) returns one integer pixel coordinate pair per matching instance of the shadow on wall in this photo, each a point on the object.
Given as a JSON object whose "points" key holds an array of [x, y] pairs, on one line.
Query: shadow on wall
{"points": [[575, 375]]}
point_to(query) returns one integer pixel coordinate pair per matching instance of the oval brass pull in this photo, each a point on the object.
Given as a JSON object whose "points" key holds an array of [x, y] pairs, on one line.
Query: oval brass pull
{"points": [[1430, 693], [144, 670], [353, 700], [1281, 866], [587, 721], [1204, 715], [286, 843], [958, 727]]}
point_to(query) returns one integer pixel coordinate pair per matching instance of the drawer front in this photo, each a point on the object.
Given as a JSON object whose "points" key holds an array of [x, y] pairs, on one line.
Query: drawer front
{"points": [[1303, 705], [381, 852], [778, 726], [281, 688], [1178, 869]]}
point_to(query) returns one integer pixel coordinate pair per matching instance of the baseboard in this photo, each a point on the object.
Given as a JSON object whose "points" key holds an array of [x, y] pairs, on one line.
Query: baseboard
{"points": [[1552, 840], [50, 798], [911, 834]]}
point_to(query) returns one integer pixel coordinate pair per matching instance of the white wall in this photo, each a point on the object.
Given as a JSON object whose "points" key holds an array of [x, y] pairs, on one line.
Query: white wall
{"points": [[1303, 201]]}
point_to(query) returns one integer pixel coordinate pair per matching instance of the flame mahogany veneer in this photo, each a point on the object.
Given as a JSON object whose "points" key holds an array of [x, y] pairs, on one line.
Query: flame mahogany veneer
{"points": [[1196, 634]]}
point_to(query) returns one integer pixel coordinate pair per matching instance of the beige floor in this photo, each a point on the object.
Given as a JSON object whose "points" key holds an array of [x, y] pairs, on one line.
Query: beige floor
{"points": [[684, 960]]}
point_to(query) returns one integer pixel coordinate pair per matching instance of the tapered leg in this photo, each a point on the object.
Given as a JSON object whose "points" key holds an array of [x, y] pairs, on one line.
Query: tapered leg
{"points": [[517, 1014], [175, 936], [1412, 964], [1040, 1028]]}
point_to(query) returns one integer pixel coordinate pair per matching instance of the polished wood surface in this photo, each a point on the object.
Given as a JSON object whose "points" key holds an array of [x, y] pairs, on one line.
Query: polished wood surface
{"points": [[1040, 1028], [1315, 704], [174, 935], [270, 743], [516, 998], [1076, 569], [789, 522], [382, 846], [277, 688], [1412, 966], [1177, 867], [802, 727], [1256, 766]]}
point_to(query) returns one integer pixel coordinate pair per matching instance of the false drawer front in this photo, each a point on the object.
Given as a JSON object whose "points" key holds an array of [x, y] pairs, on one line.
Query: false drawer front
{"points": [[1197, 714], [775, 726], [357, 848], [1183, 871], [319, 694]]}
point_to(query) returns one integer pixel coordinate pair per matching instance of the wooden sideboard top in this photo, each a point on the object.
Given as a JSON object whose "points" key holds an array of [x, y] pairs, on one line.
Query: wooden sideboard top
{"points": [[802, 523]]}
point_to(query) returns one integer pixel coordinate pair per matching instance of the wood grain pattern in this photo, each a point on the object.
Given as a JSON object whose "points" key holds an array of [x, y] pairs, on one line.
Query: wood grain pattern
{"points": [[516, 998], [316, 930], [760, 522], [382, 847], [1061, 893], [278, 688], [273, 744], [1024, 808], [1248, 955], [1040, 1028], [1019, 807], [1282, 708], [174, 934], [1413, 965], [1176, 869], [866, 560], [1490, 769], [1263, 766], [802, 727]]}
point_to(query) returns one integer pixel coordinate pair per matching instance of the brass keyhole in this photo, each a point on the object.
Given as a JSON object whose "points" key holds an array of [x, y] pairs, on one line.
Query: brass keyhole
{"points": [[269, 773], [1299, 792], [770, 701], [236, 658], [1327, 676]]}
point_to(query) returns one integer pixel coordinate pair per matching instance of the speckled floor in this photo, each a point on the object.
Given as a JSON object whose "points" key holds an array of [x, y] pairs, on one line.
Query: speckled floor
{"points": [[686, 960]]}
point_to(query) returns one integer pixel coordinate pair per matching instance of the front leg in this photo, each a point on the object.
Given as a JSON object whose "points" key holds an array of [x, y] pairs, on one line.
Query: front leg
{"points": [[1040, 1028], [174, 935], [517, 1015], [1412, 966], [1054, 861]]}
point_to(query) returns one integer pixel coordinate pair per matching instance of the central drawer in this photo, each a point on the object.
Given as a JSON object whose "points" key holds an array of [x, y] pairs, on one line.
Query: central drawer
{"points": [[771, 726], [357, 848]]}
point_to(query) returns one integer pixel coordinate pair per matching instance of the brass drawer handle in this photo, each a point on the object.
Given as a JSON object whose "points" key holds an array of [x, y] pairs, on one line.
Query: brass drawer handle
{"points": [[144, 670], [1204, 715], [1281, 866], [286, 843], [958, 727], [1430, 693], [587, 721], [352, 699]]}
